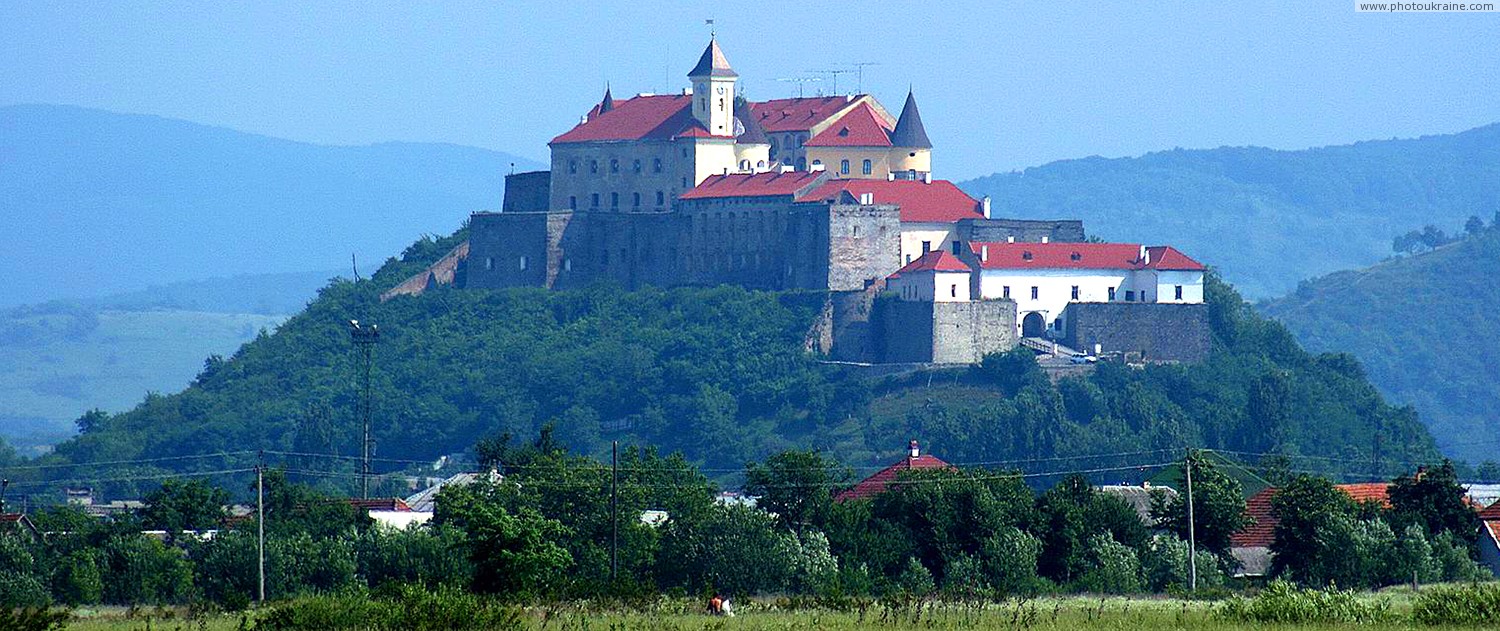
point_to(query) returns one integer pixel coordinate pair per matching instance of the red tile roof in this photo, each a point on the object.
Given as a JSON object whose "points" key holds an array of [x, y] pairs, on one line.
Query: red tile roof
{"points": [[800, 114], [379, 503], [934, 261], [876, 484], [1491, 513], [1080, 256], [1258, 508], [861, 127], [660, 117], [920, 202], [756, 185]]}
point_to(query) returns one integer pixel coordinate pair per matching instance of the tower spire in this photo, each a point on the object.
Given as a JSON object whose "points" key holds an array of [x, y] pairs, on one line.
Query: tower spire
{"points": [[712, 63], [609, 101], [909, 131]]}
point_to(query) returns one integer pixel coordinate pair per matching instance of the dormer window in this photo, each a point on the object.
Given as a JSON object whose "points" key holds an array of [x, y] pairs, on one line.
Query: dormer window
{"points": [[844, 131], [1076, 256], [1026, 256]]}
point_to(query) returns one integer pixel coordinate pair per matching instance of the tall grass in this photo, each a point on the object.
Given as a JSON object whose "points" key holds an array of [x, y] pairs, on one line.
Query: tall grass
{"points": [[1476, 604], [1284, 603]]}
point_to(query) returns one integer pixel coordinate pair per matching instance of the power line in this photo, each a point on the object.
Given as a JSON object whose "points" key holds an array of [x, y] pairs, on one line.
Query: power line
{"points": [[102, 463]]}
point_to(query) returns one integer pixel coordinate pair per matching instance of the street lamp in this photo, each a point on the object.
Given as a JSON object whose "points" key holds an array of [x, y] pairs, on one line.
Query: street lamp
{"points": [[364, 338]]}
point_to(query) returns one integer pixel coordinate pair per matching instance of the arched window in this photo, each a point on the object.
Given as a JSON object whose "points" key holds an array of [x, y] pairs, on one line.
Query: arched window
{"points": [[614, 200], [867, 168], [773, 147], [637, 166], [614, 166], [572, 166], [744, 165], [801, 164], [593, 166], [656, 165], [844, 167], [760, 164]]}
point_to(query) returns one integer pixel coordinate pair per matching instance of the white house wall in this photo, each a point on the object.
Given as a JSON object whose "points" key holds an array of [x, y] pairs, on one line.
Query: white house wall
{"points": [[1167, 282], [940, 235]]}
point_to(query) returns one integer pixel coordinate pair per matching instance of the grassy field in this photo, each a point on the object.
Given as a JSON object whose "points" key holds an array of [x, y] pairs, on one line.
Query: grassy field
{"points": [[1075, 612]]}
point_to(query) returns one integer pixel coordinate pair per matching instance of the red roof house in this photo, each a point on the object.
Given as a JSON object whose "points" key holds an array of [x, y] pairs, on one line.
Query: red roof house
{"points": [[772, 184], [861, 127], [921, 202], [1125, 256], [877, 484]]}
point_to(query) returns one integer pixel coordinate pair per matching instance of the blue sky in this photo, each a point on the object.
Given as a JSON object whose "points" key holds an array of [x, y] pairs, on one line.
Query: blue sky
{"points": [[1002, 85]]}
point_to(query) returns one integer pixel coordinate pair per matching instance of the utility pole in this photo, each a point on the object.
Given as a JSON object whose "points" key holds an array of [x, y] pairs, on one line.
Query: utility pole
{"points": [[1192, 530], [614, 509], [4, 484], [364, 338], [260, 525]]}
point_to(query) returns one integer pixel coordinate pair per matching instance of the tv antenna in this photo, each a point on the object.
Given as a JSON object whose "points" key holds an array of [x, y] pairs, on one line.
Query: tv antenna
{"points": [[860, 70], [834, 75], [799, 81]]}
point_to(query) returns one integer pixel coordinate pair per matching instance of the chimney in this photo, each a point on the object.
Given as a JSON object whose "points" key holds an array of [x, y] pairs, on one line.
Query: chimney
{"points": [[927, 178], [1010, 238], [1046, 238], [915, 452], [890, 177], [1145, 256], [984, 253], [984, 203]]}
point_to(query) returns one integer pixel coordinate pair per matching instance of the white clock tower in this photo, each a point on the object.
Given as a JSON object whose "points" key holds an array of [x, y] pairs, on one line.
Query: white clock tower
{"points": [[713, 91]]}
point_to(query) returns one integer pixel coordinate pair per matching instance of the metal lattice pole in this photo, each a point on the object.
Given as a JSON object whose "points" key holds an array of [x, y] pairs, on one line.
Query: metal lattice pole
{"points": [[364, 338]]}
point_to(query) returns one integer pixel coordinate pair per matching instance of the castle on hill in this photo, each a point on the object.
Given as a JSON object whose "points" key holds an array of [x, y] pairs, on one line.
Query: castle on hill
{"points": [[828, 193]]}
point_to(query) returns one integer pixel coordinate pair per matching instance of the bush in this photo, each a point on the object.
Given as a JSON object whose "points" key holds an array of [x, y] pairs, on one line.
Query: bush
{"points": [[1284, 603], [34, 619], [1164, 565], [22, 590], [1115, 567], [1477, 604], [412, 608]]}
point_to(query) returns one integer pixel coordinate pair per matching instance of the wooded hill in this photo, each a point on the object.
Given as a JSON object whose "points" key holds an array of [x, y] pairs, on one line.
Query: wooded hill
{"points": [[1425, 327], [1266, 218], [720, 374]]}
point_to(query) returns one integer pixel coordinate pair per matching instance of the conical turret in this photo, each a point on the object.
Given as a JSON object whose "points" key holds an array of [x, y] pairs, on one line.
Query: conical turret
{"points": [[712, 63], [909, 131]]}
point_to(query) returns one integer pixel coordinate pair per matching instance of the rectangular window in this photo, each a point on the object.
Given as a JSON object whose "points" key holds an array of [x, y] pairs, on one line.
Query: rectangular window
{"points": [[1111, 294], [489, 263], [1005, 292], [523, 263], [567, 265], [955, 247], [953, 290], [1130, 295], [1179, 292], [926, 247], [1035, 291], [1075, 292]]}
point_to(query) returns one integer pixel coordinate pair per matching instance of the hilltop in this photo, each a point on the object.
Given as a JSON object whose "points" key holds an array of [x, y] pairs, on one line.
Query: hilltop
{"points": [[1269, 218], [722, 375], [1425, 328], [95, 202]]}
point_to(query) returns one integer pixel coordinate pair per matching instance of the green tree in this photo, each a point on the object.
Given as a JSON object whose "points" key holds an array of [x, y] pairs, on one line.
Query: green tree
{"points": [[1306, 509], [1218, 507], [1009, 561], [796, 486], [1433, 499], [184, 505], [944, 513], [1113, 567], [1071, 513], [735, 550], [515, 552]]}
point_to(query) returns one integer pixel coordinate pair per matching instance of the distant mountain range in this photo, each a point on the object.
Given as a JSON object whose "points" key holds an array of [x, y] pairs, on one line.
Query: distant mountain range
{"points": [[1425, 328], [61, 358], [95, 203], [1267, 219]]}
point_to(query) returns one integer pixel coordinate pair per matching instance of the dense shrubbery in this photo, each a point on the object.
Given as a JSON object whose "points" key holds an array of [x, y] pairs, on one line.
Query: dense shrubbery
{"points": [[409, 608]]}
